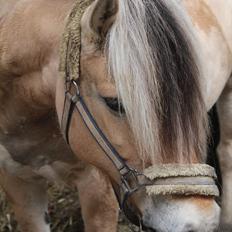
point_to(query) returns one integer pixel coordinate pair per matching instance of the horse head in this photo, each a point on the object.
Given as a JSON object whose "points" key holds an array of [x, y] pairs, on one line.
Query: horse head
{"points": [[133, 104]]}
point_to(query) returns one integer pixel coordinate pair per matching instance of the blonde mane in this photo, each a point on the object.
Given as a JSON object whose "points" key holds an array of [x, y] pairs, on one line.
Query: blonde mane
{"points": [[151, 60]]}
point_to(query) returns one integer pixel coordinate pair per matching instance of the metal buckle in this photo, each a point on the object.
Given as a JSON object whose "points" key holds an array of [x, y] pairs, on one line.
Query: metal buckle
{"points": [[130, 176], [74, 95]]}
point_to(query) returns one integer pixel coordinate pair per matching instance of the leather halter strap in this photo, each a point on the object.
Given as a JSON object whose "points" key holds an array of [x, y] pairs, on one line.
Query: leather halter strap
{"points": [[131, 179]]}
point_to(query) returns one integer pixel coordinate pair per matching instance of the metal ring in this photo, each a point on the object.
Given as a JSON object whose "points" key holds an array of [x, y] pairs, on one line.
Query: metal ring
{"points": [[76, 87]]}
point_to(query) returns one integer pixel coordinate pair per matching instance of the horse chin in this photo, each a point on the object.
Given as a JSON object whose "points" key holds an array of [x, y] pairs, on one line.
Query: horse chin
{"points": [[184, 214]]}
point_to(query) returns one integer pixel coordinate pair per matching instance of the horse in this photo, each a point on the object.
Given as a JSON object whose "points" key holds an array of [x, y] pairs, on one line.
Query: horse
{"points": [[149, 72]]}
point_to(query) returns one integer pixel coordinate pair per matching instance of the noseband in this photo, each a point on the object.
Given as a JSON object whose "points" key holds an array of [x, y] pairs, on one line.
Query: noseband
{"points": [[171, 179]]}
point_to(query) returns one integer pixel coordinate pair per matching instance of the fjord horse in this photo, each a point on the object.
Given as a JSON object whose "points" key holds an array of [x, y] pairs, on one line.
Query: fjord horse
{"points": [[150, 70]]}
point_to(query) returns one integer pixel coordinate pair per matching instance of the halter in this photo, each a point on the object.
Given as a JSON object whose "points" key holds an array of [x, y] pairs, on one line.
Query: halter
{"points": [[170, 179]]}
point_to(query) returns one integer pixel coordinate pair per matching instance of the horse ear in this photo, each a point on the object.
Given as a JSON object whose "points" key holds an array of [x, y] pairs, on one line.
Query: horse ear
{"points": [[99, 17]]}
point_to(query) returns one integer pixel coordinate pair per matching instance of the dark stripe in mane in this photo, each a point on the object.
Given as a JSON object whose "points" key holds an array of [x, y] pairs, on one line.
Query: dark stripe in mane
{"points": [[183, 114], [153, 64]]}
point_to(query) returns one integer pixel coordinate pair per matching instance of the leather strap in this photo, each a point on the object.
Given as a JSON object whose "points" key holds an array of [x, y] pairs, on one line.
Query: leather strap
{"points": [[69, 105], [129, 176]]}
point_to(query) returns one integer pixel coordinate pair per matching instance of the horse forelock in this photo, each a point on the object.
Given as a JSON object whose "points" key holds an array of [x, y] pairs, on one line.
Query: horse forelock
{"points": [[153, 65]]}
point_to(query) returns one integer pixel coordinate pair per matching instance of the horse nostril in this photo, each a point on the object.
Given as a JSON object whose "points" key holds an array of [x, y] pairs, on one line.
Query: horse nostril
{"points": [[150, 230], [190, 231], [189, 228]]}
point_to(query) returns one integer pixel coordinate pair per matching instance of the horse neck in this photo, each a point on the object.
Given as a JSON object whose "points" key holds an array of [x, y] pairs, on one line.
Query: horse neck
{"points": [[6, 6], [28, 84], [29, 96], [38, 45]]}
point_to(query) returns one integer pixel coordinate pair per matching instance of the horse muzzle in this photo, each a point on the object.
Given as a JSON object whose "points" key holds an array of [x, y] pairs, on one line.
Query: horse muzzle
{"points": [[166, 180]]}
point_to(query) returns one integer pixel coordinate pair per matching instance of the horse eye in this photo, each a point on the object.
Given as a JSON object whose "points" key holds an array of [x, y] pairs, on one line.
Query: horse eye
{"points": [[114, 104]]}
